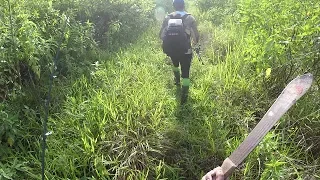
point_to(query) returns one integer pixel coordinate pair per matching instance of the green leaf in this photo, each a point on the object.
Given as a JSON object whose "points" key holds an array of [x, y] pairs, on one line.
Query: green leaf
{"points": [[275, 164], [10, 141], [268, 72]]}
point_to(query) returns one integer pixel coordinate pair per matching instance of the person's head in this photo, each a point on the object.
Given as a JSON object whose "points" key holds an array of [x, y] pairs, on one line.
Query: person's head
{"points": [[178, 5]]}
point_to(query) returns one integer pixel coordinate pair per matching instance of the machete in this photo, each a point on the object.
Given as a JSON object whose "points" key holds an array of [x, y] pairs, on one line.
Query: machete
{"points": [[293, 91], [197, 50]]}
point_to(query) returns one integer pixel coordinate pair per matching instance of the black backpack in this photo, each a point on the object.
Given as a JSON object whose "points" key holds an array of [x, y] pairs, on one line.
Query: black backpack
{"points": [[176, 41]]}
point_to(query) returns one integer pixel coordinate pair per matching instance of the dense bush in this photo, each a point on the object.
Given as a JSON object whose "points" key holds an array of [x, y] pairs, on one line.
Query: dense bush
{"points": [[217, 11], [282, 37], [31, 32], [266, 44], [114, 112]]}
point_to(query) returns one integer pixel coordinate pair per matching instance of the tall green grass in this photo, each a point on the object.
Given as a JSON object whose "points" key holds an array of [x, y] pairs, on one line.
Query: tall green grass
{"points": [[112, 122], [245, 95], [124, 120]]}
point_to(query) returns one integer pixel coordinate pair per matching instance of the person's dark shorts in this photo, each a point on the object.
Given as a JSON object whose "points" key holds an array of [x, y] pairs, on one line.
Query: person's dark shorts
{"points": [[184, 61]]}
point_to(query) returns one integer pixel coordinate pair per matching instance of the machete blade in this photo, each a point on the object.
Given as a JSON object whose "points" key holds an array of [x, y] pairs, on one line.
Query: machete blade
{"points": [[293, 91]]}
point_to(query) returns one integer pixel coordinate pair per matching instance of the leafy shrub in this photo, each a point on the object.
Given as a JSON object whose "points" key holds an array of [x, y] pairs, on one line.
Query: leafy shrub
{"points": [[217, 11], [271, 42], [281, 36], [31, 32]]}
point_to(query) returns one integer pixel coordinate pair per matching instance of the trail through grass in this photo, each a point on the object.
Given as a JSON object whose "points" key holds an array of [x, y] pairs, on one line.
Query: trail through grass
{"points": [[116, 115], [125, 120], [127, 115]]}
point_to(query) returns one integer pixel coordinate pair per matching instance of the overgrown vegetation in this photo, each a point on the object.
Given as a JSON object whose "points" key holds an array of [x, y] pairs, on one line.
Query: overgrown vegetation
{"points": [[115, 112], [264, 45]]}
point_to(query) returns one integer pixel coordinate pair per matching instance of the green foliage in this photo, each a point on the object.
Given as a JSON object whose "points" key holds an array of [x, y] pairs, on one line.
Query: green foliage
{"points": [[115, 130], [115, 22], [117, 115], [217, 11], [166, 4], [13, 170], [31, 32], [281, 36], [268, 43], [8, 128]]}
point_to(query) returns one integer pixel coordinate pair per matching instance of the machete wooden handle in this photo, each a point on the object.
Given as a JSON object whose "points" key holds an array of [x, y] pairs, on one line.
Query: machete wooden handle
{"points": [[228, 167]]}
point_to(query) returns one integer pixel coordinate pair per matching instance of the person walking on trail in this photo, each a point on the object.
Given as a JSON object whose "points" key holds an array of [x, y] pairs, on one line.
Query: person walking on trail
{"points": [[177, 30]]}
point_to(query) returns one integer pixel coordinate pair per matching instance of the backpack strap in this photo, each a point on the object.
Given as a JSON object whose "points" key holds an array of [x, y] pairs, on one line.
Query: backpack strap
{"points": [[184, 17], [173, 16]]}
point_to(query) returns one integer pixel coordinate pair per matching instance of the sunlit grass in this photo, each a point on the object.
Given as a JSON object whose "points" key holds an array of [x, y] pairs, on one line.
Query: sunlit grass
{"points": [[124, 121]]}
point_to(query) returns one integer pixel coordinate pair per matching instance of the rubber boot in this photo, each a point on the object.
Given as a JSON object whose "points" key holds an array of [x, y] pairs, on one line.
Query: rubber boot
{"points": [[185, 90]]}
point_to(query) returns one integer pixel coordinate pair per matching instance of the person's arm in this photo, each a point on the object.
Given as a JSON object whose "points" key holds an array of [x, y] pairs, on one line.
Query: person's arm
{"points": [[215, 174], [195, 31], [164, 25]]}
